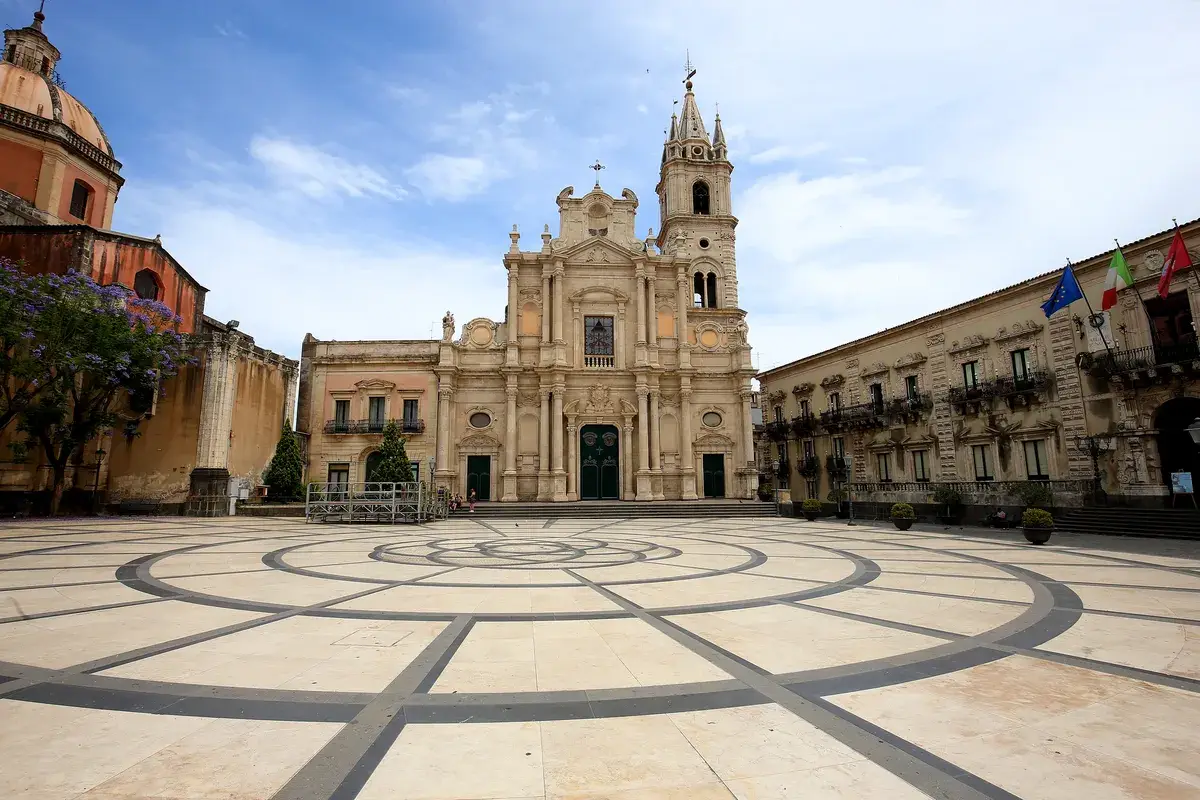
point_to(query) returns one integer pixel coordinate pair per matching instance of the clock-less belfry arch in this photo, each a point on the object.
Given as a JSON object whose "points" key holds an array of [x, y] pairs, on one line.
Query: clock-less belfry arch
{"points": [[609, 376]]}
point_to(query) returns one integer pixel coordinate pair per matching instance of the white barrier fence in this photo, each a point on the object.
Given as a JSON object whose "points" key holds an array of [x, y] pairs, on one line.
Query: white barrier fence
{"points": [[374, 502]]}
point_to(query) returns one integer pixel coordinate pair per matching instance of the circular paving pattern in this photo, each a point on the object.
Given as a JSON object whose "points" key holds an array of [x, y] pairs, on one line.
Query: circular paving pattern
{"points": [[689, 586]]}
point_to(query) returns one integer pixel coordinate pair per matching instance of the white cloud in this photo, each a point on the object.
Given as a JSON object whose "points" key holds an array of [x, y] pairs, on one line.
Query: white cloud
{"points": [[229, 31], [317, 173], [784, 152], [453, 178]]}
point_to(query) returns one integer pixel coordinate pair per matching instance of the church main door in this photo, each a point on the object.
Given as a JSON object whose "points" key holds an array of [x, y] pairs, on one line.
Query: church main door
{"points": [[714, 475], [599, 464]]}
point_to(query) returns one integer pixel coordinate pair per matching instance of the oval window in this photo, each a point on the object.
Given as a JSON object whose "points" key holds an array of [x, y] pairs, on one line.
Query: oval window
{"points": [[481, 419], [697, 151], [704, 244], [711, 419]]}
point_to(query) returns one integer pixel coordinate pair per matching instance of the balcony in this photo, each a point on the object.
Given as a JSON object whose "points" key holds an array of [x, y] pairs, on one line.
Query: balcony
{"points": [[804, 425], [1144, 365], [910, 408], [808, 466], [777, 431], [864, 416], [836, 467], [1013, 390], [352, 426], [599, 362]]}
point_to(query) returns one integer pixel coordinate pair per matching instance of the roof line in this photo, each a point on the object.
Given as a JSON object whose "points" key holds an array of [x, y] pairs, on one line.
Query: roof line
{"points": [[1084, 265]]}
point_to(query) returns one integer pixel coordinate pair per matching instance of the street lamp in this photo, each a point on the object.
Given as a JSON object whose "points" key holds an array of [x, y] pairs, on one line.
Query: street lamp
{"points": [[1194, 430], [1093, 446]]}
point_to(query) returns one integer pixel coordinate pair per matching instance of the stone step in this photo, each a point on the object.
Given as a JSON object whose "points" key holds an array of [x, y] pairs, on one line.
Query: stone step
{"points": [[1178, 523]]}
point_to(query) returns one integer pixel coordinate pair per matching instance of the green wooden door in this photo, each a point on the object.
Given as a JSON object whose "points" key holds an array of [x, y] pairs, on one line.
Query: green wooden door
{"points": [[714, 475], [599, 463], [479, 476]]}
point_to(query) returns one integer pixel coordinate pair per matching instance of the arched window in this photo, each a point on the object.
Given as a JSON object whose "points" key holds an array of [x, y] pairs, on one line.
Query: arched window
{"points": [[712, 290], [45, 66], [145, 285], [11, 56], [373, 464], [698, 289], [699, 197], [81, 196]]}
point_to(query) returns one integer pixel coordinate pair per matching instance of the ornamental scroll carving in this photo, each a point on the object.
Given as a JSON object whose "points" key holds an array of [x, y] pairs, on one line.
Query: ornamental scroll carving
{"points": [[878, 368], [832, 380], [776, 396], [1028, 328], [528, 399], [910, 360], [598, 399], [973, 341], [802, 389]]}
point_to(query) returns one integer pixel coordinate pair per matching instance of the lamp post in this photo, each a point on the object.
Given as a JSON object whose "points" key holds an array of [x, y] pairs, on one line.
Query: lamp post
{"points": [[1094, 446], [96, 486]]}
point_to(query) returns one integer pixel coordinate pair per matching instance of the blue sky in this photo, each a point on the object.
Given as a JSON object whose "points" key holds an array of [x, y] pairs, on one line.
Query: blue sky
{"points": [[353, 169]]}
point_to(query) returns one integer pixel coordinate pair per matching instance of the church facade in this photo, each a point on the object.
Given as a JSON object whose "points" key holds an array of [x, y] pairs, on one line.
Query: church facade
{"points": [[620, 371]]}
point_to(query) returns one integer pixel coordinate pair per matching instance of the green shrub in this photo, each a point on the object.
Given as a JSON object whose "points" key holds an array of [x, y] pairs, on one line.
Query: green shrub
{"points": [[1037, 518], [836, 495], [1034, 494], [903, 511], [284, 475], [765, 493], [945, 496], [811, 505]]}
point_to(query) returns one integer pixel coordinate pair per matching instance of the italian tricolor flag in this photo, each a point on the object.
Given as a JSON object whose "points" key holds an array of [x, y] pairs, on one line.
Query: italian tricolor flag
{"points": [[1118, 279]]}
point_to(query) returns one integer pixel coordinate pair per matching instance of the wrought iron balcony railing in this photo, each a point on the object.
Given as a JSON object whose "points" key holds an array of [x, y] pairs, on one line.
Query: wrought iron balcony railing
{"points": [[777, 431], [1005, 387], [373, 425], [861, 416], [1139, 359], [836, 467], [804, 425], [808, 466]]}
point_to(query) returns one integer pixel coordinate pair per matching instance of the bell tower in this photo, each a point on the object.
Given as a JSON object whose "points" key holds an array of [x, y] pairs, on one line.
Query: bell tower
{"points": [[695, 207]]}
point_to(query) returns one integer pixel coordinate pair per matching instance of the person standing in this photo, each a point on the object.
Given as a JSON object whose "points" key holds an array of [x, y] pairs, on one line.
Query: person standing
{"points": [[471, 500]]}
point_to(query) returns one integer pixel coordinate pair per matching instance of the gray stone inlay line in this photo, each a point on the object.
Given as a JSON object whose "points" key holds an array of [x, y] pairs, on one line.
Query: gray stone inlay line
{"points": [[82, 610], [113, 661], [489, 527], [918, 767], [342, 767], [550, 522]]}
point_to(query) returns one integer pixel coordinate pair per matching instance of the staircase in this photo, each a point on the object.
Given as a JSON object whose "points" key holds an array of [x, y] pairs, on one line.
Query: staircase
{"points": [[1168, 523], [618, 509]]}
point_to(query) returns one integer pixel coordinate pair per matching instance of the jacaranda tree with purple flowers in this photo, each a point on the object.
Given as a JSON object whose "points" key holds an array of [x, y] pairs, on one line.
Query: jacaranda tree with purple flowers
{"points": [[21, 374], [103, 355]]}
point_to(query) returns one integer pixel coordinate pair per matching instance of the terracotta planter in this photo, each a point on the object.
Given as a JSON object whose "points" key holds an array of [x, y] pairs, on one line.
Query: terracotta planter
{"points": [[810, 515], [1037, 535], [902, 523]]}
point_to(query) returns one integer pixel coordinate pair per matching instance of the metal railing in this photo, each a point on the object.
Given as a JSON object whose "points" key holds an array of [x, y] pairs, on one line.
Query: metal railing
{"points": [[971, 488], [1139, 358], [374, 502], [1005, 386], [373, 425]]}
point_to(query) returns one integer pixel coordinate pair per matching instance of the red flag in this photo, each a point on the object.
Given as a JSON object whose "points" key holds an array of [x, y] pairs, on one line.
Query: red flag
{"points": [[1177, 259]]}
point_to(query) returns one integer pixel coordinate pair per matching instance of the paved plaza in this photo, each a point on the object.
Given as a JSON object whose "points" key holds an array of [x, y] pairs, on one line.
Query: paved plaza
{"points": [[666, 658]]}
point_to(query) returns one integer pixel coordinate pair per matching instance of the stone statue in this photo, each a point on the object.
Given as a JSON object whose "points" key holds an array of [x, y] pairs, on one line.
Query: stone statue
{"points": [[447, 327]]}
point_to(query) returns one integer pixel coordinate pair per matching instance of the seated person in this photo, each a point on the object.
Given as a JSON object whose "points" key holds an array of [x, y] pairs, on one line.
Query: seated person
{"points": [[1000, 518]]}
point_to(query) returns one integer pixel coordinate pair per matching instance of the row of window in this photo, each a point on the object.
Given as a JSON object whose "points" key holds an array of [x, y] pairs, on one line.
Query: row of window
{"points": [[1037, 465], [375, 411], [1020, 369]]}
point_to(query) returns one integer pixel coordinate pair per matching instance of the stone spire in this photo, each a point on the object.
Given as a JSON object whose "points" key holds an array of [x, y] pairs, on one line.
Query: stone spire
{"points": [[691, 124], [719, 147]]}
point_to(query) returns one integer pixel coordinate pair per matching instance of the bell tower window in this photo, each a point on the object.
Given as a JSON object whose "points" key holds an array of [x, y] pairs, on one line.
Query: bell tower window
{"points": [[700, 198], [145, 285]]}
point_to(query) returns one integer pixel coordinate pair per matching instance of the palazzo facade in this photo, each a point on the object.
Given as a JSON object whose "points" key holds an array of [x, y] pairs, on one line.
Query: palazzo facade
{"points": [[621, 369]]}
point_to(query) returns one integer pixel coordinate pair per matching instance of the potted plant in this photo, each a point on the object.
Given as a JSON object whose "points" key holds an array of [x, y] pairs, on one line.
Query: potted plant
{"points": [[949, 500], [1037, 525], [811, 508], [903, 516], [839, 496], [765, 493]]}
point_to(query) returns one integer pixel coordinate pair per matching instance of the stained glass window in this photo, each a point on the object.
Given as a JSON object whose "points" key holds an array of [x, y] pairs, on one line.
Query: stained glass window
{"points": [[598, 336]]}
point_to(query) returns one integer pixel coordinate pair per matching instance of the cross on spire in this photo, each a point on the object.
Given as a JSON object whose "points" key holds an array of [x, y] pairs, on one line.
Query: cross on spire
{"points": [[688, 69]]}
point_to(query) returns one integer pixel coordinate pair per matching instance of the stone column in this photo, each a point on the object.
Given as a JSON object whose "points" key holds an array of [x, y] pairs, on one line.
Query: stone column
{"points": [[572, 460], [546, 304], [686, 460], [643, 473], [641, 307], [544, 447], [651, 313], [558, 304], [747, 469], [683, 301], [655, 449], [443, 428], [627, 460], [509, 492], [209, 481], [513, 300], [556, 432]]}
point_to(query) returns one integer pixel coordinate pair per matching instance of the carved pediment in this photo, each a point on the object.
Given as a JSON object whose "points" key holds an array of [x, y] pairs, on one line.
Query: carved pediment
{"points": [[1028, 328], [878, 368], [480, 333], [713, 441], [598, 400], [627, 408], [527, 399], [910, 360], [597, 293], [802, 389], [832, 381], [972, 342], [598, 250], [776, 396], [374, 383], [479, 441]]}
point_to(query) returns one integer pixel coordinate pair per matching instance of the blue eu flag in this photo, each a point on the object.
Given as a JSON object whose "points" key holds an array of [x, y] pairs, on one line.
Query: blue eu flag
{"points": [[1066, 292]]}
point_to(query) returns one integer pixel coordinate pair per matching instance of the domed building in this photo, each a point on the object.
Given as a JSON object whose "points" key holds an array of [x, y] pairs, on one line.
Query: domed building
{"points": [[56, 164]]}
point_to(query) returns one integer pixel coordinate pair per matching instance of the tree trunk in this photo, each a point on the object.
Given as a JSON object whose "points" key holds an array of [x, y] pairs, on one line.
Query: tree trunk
{"points": [[56, 491]]}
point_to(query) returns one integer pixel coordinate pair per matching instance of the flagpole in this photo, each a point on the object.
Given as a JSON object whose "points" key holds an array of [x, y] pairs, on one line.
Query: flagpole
{"points": [[1145, 310], [1092, 314], [1194, 275]]}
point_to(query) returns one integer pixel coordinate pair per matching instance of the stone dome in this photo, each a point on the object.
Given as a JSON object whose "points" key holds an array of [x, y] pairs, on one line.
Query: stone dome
{"points": [[28, 83]]}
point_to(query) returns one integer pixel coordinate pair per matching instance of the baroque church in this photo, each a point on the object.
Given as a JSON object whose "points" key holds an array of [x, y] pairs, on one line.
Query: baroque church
{"points": [[620, 371]]}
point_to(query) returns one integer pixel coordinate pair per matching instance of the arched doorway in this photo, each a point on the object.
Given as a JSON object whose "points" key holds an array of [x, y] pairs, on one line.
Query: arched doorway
{"points": [[1176, 450], [373, 459], [599, 463]]}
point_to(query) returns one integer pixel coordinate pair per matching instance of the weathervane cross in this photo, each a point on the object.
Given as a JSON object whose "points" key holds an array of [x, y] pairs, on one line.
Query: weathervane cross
{"points": [[597, 166], [688, 68]]}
